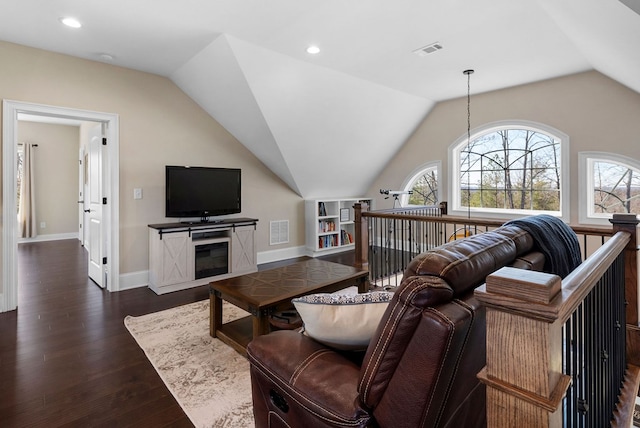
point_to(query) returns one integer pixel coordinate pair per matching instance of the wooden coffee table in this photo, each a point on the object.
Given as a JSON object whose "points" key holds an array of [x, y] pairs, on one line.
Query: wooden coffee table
{"points": [[262, 293]]}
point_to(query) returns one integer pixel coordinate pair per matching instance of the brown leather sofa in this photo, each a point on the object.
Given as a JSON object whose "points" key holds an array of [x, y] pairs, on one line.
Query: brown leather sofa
{"points": [[420, 367]]}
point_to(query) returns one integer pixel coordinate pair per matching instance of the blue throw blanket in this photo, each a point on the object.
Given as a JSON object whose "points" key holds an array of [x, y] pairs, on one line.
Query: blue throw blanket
{"points": [[557, 241]]}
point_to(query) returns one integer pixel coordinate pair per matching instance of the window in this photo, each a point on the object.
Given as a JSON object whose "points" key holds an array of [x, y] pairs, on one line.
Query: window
{"points": [[510, 169], [424, 185], [19, 173], [609, 184]]}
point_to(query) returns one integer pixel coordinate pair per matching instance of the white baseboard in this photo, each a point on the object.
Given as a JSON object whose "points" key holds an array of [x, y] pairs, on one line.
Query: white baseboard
{"points": [[139, 279], [283, 254], [132, 280], [50, 237], [327, 251]]}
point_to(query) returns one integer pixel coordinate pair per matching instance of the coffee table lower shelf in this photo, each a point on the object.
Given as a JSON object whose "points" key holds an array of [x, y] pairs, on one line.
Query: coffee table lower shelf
{"points": [[237, 334]]}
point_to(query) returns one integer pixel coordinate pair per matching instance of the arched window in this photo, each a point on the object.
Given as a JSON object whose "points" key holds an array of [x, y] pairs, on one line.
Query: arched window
{"points": [[609, 184], [424, 184], [510, 169]]}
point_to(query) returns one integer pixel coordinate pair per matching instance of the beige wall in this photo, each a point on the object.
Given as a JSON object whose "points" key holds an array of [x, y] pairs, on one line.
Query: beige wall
{"points": [[55, 175], [159, 125], [596, 113]]}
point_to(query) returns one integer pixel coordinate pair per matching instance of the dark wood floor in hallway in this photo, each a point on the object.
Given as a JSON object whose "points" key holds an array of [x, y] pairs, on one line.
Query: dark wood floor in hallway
{"points": [[66, 358]]}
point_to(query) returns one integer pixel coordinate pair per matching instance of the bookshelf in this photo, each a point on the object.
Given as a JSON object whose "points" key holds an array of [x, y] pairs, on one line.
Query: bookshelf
{"points": [[330, 226]]}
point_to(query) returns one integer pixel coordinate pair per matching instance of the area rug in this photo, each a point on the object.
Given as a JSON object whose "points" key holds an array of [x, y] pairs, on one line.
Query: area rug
{"points": [[209, 379]]}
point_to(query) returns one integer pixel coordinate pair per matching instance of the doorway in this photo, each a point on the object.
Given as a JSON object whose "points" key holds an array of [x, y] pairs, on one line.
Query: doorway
{"points": [[110, 230]]}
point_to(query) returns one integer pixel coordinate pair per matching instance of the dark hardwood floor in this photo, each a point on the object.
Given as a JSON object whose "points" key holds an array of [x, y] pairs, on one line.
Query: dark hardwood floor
{"points": [[66, 358]]}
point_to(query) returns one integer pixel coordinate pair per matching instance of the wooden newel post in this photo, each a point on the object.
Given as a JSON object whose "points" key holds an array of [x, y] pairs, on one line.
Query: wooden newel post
{"points": [[362, 236], [629, 223], [443, 208], [523, 375]]}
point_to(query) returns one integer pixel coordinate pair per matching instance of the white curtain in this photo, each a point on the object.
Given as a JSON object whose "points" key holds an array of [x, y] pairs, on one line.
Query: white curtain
{"points": [[27, 203]]}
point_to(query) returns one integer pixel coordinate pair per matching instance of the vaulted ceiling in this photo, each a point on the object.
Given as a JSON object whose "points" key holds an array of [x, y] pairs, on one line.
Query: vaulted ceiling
{"points": [[363, 94]]}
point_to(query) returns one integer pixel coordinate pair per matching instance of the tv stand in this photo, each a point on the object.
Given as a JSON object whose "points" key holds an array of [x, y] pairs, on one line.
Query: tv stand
{"points": [[185, 255]]}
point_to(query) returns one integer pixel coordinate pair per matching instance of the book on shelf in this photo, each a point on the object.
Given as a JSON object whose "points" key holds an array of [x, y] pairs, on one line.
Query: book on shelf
{"points": [[346, 237], [326, 226], [327, 241]]}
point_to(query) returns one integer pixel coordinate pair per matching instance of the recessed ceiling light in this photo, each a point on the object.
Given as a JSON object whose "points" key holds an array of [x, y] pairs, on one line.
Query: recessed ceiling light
{"points": [[106, 57], [313, 49], [70, 22]]}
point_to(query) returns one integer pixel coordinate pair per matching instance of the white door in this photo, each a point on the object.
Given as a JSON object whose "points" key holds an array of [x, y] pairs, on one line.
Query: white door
{"points": [[94, 196]]}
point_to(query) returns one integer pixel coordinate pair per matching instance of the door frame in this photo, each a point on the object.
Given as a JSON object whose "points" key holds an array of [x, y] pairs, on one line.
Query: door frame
{"points": [[10, 111], [81, 193]]}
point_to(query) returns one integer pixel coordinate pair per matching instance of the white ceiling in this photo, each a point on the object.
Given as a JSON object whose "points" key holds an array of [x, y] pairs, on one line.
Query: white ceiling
{"points": [[359, 99]]}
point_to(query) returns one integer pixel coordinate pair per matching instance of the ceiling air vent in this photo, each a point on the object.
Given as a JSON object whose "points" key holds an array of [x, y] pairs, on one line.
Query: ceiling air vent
{"points": [[429, 49]]}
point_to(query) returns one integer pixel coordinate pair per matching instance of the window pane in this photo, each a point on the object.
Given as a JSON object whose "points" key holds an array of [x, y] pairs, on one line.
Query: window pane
{"points": [[425, 188], [512, 169], [616, 188]]}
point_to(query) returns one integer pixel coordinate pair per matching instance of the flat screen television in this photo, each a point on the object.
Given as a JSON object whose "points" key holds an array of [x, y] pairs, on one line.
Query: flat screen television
{"points": [[193, 191]]}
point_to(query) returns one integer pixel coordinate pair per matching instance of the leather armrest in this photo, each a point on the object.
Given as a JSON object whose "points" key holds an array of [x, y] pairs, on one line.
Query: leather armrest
{"points": [[531, 261], [307, 375]]}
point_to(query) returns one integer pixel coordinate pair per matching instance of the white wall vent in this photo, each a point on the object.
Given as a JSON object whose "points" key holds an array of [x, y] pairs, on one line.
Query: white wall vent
{"points": [[426, 50], [278, 232]]}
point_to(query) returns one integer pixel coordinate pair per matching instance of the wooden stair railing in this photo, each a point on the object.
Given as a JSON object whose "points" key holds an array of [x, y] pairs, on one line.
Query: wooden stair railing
{"points": [[387, 240], [526, 312], [543, 320]]}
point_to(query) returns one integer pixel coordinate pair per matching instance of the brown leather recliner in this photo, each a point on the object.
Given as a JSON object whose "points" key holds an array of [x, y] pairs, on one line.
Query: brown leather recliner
{"points": [[420, 367]]}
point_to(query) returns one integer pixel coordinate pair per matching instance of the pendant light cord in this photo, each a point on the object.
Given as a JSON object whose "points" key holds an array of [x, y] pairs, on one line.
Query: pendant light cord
{"points": [[468, 73]]}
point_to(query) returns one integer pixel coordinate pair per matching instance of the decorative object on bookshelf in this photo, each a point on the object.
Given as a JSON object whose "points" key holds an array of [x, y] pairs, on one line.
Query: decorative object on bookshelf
{"points": [[322, 210], [344, 214]]}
